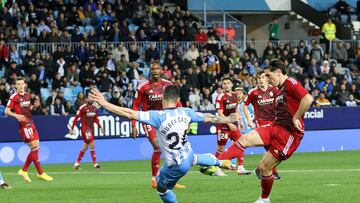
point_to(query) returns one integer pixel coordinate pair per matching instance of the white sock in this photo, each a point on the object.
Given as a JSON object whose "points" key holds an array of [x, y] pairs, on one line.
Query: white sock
{"points": [[240, 167], [76, 164], [2, 182]]}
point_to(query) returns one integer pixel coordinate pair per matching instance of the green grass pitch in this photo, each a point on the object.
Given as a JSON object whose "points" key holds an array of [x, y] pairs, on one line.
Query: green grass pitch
{"points": [[308, 177]]}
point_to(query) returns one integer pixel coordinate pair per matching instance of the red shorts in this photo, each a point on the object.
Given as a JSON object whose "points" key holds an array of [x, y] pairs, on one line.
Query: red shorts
{"points": [[150, 131], [278, 141], [87, 136], [259, 123], [224, 135], [29, 133]]}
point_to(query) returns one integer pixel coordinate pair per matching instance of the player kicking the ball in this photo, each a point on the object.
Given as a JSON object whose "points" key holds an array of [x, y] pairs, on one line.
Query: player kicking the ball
{"points": [[21, 104], [149, 97], [171, 125], [284, 136], [262, 98], [89, 116]]}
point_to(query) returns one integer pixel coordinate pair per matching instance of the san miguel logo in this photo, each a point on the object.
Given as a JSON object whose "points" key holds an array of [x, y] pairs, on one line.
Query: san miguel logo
{"points": [[114, 126]]}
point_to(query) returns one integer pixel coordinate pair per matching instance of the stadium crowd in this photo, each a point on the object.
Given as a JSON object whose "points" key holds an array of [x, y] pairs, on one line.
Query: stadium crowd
{"points": [[117, 68]]}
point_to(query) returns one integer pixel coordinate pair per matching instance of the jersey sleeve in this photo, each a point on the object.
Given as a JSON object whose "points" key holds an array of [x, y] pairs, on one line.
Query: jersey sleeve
{"points": [[137, 101], [77, 116], [195, 116], [249, 99], [152, 118], [10, 103], [296, 89], [219, 104]]}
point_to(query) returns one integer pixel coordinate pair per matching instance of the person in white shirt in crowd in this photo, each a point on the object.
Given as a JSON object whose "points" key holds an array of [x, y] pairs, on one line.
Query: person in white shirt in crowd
{"points": [[207, 106], [351, 101]]}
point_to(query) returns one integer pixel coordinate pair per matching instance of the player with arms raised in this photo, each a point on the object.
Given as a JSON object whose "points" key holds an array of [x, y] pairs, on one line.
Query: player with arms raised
{"points": [[262, 98], [226, 104], [171, 125], [149, 97], [89, 116], [21, 104], [284, 136]]}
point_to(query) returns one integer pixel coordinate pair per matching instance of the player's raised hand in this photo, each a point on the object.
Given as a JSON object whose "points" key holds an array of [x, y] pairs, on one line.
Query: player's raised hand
{"points": [[21, 118], [134, 132], [102, 131], [241, 125], [298, 125], [97, 96]]}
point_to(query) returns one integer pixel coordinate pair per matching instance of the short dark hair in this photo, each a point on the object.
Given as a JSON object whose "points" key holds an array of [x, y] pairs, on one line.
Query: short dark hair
{"points": [[259, 73], [277, 65], [226, 79], [171, 93]]}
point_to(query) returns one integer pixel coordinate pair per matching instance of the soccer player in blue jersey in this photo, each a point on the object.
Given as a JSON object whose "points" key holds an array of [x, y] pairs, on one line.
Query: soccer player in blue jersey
{"points": [[3, 185], [247, 113], [171, 125]]}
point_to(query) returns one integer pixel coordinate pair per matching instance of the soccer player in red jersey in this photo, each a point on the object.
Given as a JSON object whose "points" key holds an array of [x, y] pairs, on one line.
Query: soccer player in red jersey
{"points": [[89, 116], [262, 99], [284, 136], [226, 104], [149, 97], [21, 104]]}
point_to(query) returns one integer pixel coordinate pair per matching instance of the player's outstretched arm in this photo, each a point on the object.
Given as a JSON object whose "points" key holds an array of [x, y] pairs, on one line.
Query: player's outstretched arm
{"points": [[121, 111], [19, 117], [208, 117], [305, 104]]}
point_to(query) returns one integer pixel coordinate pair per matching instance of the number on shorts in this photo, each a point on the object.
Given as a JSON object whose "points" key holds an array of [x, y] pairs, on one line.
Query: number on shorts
{"points": [[28, 132], [222, 136], [88, 135], [149, 128]]}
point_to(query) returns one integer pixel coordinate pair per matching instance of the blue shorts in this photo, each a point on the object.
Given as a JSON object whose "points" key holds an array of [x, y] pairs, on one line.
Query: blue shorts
{"points": [[170, 175]]}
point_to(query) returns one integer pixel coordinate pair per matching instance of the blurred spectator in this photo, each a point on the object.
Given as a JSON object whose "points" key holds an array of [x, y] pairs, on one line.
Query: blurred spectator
{"points": [[192, 78], [316, 53], [322, 101], [192, 53], [342, 95], [218, 91], [2, 109], [4, 54], [57, 109], [58, 82], [152, 54], [184, 91], [351, 101], [274, 30], [80, 100], [60, 67], [119, 51], [340, 54], [115, 98], [4, 95], [12, 71], [86, 76], [34, 84], [69, 109], [314, 69], [194, 99], [204, 78], [134, 73], [72, 76], [212, 62]]}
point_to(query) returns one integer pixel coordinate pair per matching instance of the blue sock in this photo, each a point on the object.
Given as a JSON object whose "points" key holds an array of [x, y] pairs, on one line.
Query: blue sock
{"points": [[1, 179], [207, 160], [168, 197]]}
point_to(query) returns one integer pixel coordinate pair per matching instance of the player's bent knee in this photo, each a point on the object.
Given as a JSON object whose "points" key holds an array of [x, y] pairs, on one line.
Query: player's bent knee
{"points": [[160, 189], [265, 169], [220, 148]]}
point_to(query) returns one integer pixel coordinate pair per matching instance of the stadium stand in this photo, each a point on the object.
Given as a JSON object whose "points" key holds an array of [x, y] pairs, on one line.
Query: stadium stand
{"points": [[99, 45]]}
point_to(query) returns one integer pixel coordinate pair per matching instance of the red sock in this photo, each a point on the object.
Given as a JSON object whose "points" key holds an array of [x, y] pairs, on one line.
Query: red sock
{"points": [[266, 185], [35, 156], [27, 162], [93, 156], [274, 170], [155, 162], [217, 153], [235, 150], [81, 155]]}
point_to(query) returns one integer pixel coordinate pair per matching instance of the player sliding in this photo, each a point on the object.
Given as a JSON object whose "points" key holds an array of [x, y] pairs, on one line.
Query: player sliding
{"points": [[262, 99], [89, 116], [284, 136], [171, 125], [149, 97], [3, 185], [226, 104], [21, 104]]}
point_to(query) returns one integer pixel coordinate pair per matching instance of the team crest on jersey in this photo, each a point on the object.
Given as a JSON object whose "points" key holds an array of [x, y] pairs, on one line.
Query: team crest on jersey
{"points": [[271, 94], [217, 105], [259, 96], [136, 94], [151, 91]]}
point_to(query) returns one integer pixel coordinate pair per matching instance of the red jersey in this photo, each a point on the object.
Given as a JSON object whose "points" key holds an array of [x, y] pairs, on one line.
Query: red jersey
{"points": [[263, 103], [21, 105], [89, 116], [227, 103], [287, 103], [149, 96]]}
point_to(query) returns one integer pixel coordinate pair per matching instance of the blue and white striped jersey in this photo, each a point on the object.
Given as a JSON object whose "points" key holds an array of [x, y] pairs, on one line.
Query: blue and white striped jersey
{"points": [[243, 118], [171, 126]]}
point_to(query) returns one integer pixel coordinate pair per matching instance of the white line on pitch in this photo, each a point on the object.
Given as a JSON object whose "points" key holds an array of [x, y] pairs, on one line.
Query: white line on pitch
{"points": [[146, 172]]}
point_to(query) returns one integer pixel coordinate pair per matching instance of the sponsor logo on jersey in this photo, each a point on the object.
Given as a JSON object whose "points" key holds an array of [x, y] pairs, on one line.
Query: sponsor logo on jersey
{"points": [[155, 97], [25, 103], [271, 94], [231, 106], [266, 101], [314, 114], [90, 114]]}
